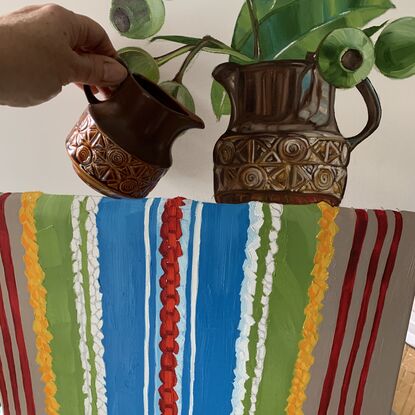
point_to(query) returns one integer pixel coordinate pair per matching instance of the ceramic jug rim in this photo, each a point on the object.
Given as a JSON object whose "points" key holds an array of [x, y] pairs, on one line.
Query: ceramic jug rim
{"points": [[281, 63], [176, 107]]}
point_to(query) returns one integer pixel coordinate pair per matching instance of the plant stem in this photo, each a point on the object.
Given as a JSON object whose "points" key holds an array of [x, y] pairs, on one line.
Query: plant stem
{"points": [[161, 60], [255, 28], [196, 49], [225, 49], [222, 48]]}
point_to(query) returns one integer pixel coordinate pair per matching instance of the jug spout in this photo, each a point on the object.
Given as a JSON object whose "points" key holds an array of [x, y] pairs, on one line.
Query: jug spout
{"points": [[193, 121], [227, 75]]}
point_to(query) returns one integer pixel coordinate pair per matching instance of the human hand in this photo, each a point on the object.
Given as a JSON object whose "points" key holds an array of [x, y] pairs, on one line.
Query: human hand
{"points": [[43, 48]]}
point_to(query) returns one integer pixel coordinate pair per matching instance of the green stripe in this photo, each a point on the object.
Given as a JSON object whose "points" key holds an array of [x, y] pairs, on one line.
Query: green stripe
{"points": [[292, 277], [53, 223], [257, 306], [83, 216]]}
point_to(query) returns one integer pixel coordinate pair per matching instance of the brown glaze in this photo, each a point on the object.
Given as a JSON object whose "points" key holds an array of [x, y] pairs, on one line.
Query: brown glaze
{"points": [[283, 144], [122, 147], [105, 166]]}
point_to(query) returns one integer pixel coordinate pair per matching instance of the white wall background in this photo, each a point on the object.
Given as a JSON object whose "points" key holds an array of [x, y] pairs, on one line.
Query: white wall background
{"points": [[33, 157]]}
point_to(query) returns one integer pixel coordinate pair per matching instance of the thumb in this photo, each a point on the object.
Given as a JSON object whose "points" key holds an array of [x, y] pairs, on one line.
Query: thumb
{"points": [[98, 70]]}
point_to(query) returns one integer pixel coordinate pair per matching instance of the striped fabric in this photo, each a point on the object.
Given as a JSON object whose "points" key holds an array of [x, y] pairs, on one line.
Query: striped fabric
{"points": [[178, 307]]}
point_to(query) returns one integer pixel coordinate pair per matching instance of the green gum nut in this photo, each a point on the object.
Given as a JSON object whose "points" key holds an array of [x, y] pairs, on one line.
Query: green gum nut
{"points": [[180, 93], [140, 62], [345, 57], [137, 19], [395, 49]]}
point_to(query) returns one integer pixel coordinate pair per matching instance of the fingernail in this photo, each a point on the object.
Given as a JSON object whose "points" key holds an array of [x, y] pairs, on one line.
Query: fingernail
{"points": [[114, 72]]}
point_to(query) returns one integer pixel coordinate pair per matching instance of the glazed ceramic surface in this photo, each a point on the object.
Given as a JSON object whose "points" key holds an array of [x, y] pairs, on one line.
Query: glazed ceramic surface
{"points": [[283, 144], [122, 147]]}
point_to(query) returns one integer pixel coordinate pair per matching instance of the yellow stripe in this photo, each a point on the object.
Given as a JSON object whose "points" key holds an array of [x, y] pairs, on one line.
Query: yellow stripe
{"points": [[35, 277], [316, 294]]}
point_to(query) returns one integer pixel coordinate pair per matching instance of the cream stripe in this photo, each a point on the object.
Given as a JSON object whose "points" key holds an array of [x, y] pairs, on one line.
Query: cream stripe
{"points": [[80, 302], [194, 291], [276, 212], [181, 289], [256, 219], [96, 302], [146, 302]]}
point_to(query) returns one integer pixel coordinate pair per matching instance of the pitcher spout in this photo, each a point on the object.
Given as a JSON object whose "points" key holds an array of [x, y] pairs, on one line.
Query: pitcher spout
{"points": [[192, 121], [227, 74]]}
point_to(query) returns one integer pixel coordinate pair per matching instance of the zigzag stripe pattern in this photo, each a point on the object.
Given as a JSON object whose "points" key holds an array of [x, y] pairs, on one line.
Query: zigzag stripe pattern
{"points": [[276, 212], [35, 277], [80, 302], [256, 218], [96, 302], [171, 250]]}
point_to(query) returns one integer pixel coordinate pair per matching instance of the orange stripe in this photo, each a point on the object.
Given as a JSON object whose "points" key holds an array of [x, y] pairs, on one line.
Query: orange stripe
{"points": [[35, 277], [316, 294]]}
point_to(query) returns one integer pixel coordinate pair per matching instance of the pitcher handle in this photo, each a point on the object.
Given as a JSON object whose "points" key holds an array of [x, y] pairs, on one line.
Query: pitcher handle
{"points": [[92, 99], [374, 110]]}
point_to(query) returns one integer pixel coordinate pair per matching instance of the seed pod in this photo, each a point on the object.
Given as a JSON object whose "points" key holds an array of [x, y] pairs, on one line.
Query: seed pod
{"points": [[140, 62], [395, 49], [180, 93], [345, 57], [137, 19]]}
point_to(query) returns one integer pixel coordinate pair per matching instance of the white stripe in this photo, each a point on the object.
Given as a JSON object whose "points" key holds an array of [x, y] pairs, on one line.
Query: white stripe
{"points": [[157, 321], [181, 307], [146, 303], [276, 211], [80, 302], [96, 303], [247, 294], [193, 304]]}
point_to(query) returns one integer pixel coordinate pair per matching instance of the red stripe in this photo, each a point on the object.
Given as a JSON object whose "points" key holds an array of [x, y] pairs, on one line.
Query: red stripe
{"points": [[342, 316], [3, 391], [7, 340], [171, 250], [370, 280], [6, 256], [387, 274]]}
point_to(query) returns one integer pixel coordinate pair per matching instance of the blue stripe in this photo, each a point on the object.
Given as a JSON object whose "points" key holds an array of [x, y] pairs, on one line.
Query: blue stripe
{"points": [[157, 322], [122, 279], [186, 351], [154, 231], [222, 255]]}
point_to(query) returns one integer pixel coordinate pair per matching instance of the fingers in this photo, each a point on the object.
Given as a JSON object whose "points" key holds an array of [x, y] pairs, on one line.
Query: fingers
{"points": [[89, 36], [105, 91], [97, 70]]}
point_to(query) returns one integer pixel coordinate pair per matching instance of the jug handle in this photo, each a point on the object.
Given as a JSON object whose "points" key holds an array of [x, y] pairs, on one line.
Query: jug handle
{"points": [[92, 99], [374, 110]]}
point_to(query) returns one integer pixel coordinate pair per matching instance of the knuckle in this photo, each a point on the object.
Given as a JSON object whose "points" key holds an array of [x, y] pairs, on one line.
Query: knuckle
{"points": [[53, 8]]}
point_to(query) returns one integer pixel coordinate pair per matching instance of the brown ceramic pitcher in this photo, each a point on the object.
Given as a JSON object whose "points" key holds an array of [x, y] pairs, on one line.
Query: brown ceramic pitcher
{"points": [[283, 144], [122, 147]]}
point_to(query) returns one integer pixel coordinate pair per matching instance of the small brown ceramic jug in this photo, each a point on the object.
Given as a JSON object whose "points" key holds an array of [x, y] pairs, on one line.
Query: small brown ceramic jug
{"points": [[283, 144], [122, 147]]}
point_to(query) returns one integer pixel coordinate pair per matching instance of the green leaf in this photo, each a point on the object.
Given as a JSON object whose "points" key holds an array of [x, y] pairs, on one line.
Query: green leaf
{"points": [[370, 31], [180, 93], [140, 62], [215, 46], [291, 28], [221, 103], [395, 49], [243, 27], [137, 19]]}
